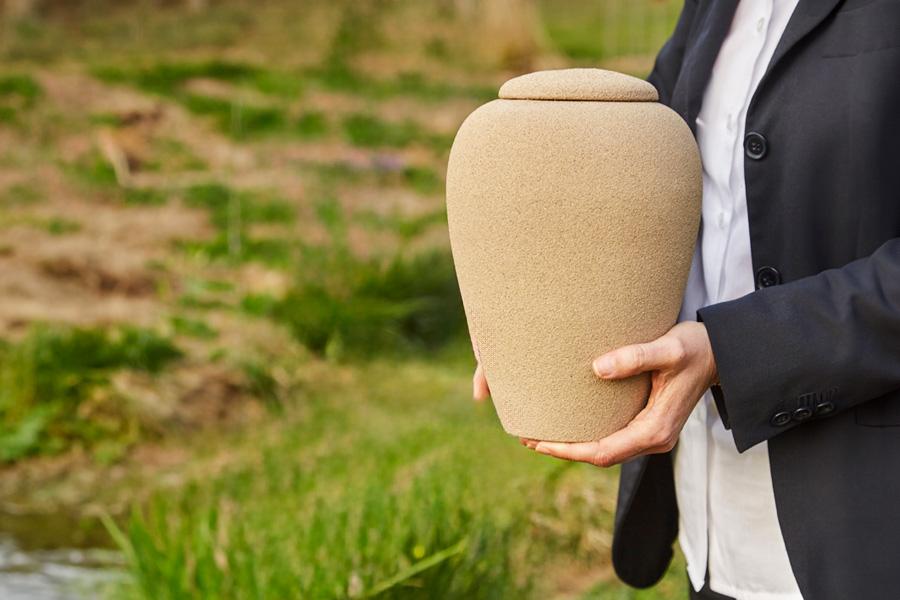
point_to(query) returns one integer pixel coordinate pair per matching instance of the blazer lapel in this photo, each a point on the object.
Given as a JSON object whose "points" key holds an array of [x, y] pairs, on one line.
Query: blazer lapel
{"points": [[807, 15], [703, 52], [712, 31]]}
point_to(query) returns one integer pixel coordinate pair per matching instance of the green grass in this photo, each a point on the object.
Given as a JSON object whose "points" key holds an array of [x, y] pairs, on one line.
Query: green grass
{"points": [[20, 86], [376, 485], [226, 206], [312, 125], [200, 302], [231, 212], [168, 78], [204, 294], [238, 119], [96, 176], [56, 226], [194, 328], [369, 131], [345, 306], [245, 120], [18, 93], [271, 251], [52, 387], [263, 385], [60, 226], [389, 484], [404, 228], [144, 196], [591, 31], [335, 74], [93, 171], [370, 475], [333, 174], [424, 180], [339, 77], [171, 155], [259, 305], [21, 194]]}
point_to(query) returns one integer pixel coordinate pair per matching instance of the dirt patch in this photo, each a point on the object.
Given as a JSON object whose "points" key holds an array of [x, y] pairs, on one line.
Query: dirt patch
{"points": [[27, 295], [85, 272], [116, 261], [190, 397], [102, 273]]}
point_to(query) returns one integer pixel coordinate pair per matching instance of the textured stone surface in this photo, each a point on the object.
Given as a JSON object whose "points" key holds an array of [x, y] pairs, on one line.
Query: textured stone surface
{"points": [[572, 225], [579, 84]]}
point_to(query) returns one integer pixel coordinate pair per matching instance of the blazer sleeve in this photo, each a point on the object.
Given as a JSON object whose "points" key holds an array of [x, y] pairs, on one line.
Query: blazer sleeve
{"points": [[669, 60], [807, 349]]}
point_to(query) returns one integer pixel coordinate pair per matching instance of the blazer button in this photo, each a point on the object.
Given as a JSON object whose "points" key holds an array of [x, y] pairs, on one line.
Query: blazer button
{"points": [[802, 414], [755, 145], [767, 277], [824, 408], [781, 419]]}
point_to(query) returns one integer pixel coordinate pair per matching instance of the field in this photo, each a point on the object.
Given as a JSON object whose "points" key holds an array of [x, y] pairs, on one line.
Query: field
{"points": [[233, 360]]}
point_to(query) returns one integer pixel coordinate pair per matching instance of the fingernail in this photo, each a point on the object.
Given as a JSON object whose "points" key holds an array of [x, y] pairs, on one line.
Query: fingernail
{"points": [[603, 366], [542, 448]]}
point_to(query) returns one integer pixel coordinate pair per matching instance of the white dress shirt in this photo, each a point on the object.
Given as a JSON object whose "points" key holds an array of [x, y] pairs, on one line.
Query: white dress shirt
{"points": [[727, 512]]}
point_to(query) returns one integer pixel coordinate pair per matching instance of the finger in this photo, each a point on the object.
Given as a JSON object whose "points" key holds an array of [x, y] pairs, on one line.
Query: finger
{"points": [[480, 389], [528, 442], [579, 451], [638, 437], [639, 358], [583, 451]]}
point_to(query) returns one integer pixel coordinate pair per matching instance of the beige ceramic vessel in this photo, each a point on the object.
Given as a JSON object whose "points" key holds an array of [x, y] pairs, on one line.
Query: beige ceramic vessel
{"points": [[574, 204]]}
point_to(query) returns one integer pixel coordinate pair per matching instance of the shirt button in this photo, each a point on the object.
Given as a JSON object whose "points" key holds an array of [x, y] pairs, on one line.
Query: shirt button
{"points": [[760, 25], [755, 145], [767, 277], [722, 220], [781, 419], [729, 122]]}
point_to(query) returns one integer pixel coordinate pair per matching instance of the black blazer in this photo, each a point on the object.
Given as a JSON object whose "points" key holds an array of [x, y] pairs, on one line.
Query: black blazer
{"points": [[810, 361]]}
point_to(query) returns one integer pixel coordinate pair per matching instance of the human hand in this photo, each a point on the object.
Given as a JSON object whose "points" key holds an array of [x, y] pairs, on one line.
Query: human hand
{"points": [[682, 368]]}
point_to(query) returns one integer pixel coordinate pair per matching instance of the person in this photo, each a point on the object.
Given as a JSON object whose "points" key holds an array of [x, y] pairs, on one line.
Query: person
{"points": [[770, 443]]}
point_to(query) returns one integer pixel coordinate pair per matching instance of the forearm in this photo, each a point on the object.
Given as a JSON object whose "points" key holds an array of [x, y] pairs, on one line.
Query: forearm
{"points": [[808, 349]]}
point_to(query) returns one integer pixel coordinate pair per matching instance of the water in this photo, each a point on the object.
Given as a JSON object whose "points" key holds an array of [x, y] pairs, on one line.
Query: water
{"points": [[55, 557]]}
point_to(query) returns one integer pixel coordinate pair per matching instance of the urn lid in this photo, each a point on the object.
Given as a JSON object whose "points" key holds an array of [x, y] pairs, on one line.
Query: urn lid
{"points": [[595, 85]]}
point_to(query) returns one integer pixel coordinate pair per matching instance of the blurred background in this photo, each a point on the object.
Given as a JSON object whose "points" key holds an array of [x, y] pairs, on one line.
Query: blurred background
{"points": [[233, 360]]}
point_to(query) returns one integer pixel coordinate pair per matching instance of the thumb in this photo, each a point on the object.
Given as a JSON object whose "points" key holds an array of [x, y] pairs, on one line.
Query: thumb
{"points": [[638, 358]]}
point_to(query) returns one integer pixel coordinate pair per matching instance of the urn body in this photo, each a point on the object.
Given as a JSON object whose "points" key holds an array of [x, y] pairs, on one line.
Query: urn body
{"points": [[573, 204]]}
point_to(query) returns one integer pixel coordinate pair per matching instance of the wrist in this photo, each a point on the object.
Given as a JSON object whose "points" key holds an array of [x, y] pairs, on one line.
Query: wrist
{"points": [[712, 369]]}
